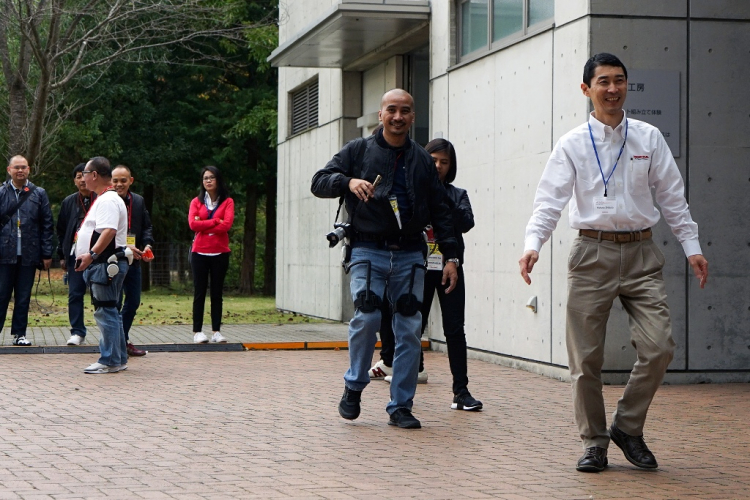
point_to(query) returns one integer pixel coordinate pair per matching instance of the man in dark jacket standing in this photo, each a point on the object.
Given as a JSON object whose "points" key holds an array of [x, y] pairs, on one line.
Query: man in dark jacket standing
{"points": [[139, 236], [72, 211], [25, 243], [388, 247]]}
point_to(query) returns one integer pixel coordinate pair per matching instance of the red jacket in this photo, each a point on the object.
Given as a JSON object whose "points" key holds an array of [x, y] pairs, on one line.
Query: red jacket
{"points": [[211, 235]]}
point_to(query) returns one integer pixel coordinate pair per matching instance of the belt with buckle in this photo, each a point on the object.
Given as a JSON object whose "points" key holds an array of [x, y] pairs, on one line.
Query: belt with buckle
{"points": [[617, 236]]}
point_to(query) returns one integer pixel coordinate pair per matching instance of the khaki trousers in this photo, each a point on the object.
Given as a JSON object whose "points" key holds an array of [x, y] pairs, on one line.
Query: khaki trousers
{"points": [[599, 271]]}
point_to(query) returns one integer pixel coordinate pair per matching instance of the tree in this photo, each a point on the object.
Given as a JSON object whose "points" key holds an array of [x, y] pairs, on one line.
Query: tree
{"points": [[46, 45]]}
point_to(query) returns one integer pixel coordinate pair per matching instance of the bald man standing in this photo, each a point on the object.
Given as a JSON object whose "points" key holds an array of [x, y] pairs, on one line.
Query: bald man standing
{"points": [[387, 218]]}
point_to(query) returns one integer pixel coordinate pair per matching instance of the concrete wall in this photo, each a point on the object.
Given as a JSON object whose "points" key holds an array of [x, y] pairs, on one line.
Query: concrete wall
{"points": [[504, 112]]}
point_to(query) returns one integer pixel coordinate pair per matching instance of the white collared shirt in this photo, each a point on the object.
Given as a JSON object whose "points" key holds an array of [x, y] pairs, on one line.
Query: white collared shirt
{"points": [[572, 175]]}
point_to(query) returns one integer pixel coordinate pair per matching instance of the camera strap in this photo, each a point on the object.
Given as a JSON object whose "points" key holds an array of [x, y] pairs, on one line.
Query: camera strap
{"points": [[25, 195]]}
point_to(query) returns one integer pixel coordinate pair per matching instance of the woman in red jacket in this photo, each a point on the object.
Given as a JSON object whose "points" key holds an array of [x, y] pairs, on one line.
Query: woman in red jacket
{"points": [[211, 216]]}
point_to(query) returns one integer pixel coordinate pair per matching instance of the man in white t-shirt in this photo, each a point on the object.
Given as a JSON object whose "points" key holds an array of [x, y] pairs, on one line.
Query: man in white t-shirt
{"points": [[100, 254]]}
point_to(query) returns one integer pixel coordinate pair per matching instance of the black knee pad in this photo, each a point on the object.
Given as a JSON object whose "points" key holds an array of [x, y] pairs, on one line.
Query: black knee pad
{"points": [[367, 302], [408, 305]]}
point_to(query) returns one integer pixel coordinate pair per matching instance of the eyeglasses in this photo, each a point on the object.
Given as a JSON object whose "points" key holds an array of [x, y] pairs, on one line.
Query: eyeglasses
{"points": [[211, 178], [19, 167], [84, 172]]}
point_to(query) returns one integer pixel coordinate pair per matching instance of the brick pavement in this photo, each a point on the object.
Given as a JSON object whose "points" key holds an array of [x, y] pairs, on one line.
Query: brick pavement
{"points": [[264, 424]]}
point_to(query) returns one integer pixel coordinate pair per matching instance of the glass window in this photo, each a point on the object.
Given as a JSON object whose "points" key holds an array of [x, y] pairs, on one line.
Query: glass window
{"points": [[474, 15], [507, 18], [541, 10], [489, 24]]}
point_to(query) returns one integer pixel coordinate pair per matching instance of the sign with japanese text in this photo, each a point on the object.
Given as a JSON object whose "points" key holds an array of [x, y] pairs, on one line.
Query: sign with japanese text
{"points": [[654, 97]]}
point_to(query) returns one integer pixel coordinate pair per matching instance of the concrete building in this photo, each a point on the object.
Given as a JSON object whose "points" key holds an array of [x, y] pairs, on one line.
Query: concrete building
{"points": [[501, 80]]}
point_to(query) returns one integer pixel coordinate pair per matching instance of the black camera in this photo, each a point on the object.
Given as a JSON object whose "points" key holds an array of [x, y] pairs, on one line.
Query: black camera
{"points": [[340, 231]]}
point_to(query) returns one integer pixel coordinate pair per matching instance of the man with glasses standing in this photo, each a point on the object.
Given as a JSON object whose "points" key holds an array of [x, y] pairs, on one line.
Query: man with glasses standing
{"points": [[101, 256], [26, 230]]}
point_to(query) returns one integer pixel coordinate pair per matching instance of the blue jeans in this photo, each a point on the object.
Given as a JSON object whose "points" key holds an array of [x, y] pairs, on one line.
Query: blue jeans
{"points": [[394, 269], [76, 292], [131, 289], [17, 280], [112, 346]]}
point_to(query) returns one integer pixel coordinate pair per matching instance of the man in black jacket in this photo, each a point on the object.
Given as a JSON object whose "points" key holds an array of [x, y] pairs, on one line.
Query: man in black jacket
{"points": [[139, 236], [388, 247], [72, 211], [25, 243]]}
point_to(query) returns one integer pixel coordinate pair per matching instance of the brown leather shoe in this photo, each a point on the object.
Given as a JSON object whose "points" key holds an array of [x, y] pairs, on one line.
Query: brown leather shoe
{"points": [[134, 351]]}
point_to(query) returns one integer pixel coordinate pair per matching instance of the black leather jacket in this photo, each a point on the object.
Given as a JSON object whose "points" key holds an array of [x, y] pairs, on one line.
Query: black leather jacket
{"points": [[463, 217], [376, 217], [37, 230]]}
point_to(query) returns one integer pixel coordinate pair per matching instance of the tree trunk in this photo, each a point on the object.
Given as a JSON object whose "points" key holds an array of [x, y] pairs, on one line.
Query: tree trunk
{"points": [[18, 117], [269, 259]]}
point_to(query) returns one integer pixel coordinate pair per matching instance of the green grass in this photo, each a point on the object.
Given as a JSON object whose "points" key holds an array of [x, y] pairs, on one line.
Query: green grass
{"points": [[158, 307]]}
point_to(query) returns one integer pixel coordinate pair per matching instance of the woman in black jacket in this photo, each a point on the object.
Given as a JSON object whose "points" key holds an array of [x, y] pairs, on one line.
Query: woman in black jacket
{"points": [[452, 305]]}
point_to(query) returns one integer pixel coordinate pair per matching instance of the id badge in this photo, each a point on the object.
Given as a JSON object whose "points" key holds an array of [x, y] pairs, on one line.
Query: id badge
{"points": [[131, 239], [394, 205], [605, 205], [434, 257]]}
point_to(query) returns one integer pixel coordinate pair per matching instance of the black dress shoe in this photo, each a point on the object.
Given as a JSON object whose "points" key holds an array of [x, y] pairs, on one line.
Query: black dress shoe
{"points": [[404, 419], [594, 460], [634, 448], [349, 404]]}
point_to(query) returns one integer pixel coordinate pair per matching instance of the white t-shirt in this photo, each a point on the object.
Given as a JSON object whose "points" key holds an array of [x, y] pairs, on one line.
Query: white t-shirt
{"points": [[107, 212]]}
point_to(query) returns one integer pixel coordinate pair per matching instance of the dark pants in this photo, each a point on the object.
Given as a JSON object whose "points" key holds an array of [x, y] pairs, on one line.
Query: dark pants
{"points": [[452, 307], [76, 294], [17, 280], [130, 298], [204, 266]]}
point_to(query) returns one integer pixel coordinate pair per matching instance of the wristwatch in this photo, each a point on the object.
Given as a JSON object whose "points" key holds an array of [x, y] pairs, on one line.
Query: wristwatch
{"points": [[94, 255], [455, 261]]}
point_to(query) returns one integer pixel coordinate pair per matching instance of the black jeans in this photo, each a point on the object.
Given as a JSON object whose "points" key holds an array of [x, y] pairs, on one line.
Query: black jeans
{"points": [[452, 306], [16, 280], [204, 266]]}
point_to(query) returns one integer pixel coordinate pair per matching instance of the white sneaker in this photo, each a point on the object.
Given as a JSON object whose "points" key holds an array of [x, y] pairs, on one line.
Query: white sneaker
{"points": [[200, 338], [99, 368], [218, 337], [75, 340], [115, 369], [379, 371], [421, 378]]}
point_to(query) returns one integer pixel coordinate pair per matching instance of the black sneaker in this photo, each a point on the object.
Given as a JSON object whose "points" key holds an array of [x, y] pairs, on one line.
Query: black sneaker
{"points": [[404, 419], [21, 340], [465, 402], [349, 404]]}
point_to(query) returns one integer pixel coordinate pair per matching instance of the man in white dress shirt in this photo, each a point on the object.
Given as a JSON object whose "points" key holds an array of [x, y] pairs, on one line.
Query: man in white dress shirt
{"points": [[606, 169]]}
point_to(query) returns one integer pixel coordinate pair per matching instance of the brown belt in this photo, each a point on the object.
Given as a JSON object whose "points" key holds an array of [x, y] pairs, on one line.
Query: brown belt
{"points": [[617, 237]]}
